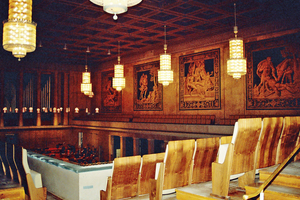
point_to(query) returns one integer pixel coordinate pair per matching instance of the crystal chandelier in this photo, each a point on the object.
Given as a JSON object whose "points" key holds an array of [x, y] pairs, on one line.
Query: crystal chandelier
{"points": [[118, 79], [236, 64], [116, 6], [19, 32], [86, 85], [165, 74]]}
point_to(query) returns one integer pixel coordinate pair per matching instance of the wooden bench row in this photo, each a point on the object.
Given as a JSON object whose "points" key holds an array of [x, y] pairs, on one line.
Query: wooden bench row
{"points": [[255, 143], [168, 119], [233, 118], [17, 180], [176, 119], [183, 163]]}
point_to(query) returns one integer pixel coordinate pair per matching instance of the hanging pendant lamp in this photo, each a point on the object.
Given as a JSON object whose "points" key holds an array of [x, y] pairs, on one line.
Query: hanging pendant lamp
{"points": [[86, 85], [236, 64], [165, 74], [118, 79], [19, 32], [116, 6]]}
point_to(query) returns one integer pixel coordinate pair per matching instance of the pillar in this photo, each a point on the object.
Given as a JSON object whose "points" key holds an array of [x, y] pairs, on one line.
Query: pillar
{"points": [[21, 99], [38, 100], [1, 97], [55, 99], [136, 146], [150, 146], [111, 144], [66, 99]]}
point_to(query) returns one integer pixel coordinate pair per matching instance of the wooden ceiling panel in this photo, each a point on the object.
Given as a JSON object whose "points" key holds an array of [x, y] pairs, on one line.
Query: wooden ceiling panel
{"points": [[80, 23]]}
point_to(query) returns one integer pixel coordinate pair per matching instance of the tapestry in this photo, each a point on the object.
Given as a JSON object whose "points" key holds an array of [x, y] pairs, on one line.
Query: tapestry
{"points": [[273, 74], [111, 101], [147, 90], [199, 81]]}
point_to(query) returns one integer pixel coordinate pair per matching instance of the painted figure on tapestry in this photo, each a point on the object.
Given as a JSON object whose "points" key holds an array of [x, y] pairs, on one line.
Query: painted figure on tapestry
{"points": [[279, 80], [273, 76], [148, 93], [148, 87], [111, 98], [111, 94], [199, 80]]}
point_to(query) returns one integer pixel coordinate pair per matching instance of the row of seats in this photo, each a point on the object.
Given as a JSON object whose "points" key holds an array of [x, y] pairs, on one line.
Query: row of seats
{"points": [[233, 118], [176, 119], [182, 164], [172, 119], [255, 143], [17, 180]]}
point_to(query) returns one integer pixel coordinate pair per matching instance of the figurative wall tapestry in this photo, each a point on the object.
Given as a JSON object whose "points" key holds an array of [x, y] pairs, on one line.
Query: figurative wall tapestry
{"points": [[199, 81], [111, 101], [147, 90], [273, 74]]}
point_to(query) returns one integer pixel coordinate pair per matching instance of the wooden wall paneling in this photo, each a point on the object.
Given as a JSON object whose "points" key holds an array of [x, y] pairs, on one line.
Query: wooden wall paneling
{"points": [[268, 142]]}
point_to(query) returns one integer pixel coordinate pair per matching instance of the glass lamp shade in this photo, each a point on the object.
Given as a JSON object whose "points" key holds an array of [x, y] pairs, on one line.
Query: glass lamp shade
{"points": [[19, 32], [165, 74], [236, 48], [19, 37], [20, 10], [86, 77], [118, 79], [129, 3], [165, 77], [118, 83], [86, 88], [115, 6], [236, 67]]}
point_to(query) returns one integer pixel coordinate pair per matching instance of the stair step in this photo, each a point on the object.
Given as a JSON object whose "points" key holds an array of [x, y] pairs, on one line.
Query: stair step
{"points": [[276, 192], [290, 176]]}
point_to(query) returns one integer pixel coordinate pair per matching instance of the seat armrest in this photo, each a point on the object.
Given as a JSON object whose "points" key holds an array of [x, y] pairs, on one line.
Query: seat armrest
{"points": [[37, 179]]}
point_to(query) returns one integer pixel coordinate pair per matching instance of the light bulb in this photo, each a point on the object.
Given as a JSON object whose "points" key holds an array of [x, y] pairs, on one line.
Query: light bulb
{"points": [[115, 17]]}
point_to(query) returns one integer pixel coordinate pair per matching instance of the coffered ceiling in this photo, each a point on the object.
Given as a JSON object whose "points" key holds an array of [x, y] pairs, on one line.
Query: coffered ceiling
{"points": [[80, 24]]}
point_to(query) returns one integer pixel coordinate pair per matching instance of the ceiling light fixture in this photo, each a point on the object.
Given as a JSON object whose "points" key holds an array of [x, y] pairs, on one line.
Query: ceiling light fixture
{"points": [[165, 74], [116, 6], [236, 64], [65, 47], [86, 85], [118, 79], [19, 32]]}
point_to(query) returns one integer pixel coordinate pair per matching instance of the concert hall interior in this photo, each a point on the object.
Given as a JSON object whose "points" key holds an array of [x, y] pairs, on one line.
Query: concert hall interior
{"points": [[208, 105]]}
